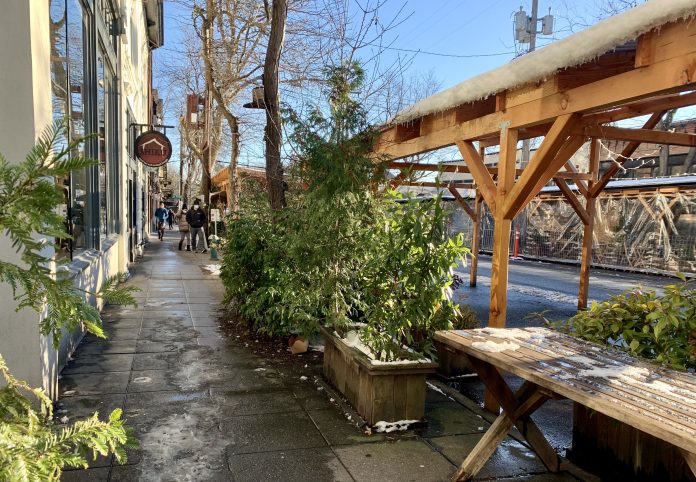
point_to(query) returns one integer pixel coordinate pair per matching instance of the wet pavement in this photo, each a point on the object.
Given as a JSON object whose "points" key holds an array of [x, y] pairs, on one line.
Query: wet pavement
{"points": [[206, 408]]}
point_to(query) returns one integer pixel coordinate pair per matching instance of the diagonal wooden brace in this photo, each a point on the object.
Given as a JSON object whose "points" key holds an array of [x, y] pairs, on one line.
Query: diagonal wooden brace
{"points": [[479, 172], [517, 408], [545, 163]]}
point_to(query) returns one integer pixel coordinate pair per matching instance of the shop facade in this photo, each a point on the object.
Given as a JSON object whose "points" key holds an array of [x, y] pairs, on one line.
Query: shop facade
{"points": [[87, 64]]}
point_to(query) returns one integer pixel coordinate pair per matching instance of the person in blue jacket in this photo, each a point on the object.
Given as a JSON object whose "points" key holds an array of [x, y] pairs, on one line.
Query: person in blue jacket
{"points": [[161, 215]]}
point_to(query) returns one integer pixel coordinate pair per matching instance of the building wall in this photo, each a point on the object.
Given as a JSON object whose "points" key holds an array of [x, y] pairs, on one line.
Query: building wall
{"points": [[26, 104], [27, 98]]}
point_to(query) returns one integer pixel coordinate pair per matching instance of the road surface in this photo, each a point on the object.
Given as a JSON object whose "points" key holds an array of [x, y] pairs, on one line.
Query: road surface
{"points": [[536, 286]]}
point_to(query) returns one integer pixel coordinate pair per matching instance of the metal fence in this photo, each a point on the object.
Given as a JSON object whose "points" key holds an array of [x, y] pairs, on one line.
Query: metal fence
{"points": [[634, 249], [678, 255]]}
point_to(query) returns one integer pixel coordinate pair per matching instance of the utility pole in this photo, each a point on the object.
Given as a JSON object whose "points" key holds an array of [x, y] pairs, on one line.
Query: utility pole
{"points": [[526, 32], [526, 145]]}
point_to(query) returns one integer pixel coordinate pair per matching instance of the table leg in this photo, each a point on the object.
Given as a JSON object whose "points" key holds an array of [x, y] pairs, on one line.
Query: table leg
{"points": [[517, 407]]}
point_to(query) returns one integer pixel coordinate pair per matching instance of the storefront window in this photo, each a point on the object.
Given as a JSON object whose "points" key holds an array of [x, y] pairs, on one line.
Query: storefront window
{"points": [[108, 15], [104, 139], [67, 79]]}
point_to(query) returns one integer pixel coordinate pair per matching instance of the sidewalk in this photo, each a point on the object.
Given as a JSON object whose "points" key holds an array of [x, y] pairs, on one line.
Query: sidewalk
{"points": [[206, 408]]}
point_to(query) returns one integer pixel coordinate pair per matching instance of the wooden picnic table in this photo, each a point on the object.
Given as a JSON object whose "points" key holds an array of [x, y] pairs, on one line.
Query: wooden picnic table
{"points": [[656, 400]]}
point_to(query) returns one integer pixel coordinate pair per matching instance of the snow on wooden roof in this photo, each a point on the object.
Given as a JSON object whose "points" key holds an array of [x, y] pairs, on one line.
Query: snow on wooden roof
{"points": [[569, 52]]}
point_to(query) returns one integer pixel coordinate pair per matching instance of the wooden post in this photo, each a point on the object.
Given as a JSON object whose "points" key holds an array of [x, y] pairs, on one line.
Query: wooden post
{"points": [[473, 270], [588, 232], [501, 232]]}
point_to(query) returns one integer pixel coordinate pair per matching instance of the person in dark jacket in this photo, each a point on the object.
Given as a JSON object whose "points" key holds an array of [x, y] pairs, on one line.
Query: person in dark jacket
{"points": [[184, 228], [196, 219], [170, 218], [161, 216]]}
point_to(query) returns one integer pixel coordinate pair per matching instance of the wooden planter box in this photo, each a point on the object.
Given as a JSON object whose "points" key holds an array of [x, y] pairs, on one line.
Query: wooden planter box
{"points": [[603, 443], [386, 393]]}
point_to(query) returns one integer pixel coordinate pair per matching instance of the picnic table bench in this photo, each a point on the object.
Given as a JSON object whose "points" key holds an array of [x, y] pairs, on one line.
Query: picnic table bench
{"points": [[655, 400]]}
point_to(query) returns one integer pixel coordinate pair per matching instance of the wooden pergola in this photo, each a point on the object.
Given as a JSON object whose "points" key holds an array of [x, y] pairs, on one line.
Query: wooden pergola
{"points": [[568, 102]]}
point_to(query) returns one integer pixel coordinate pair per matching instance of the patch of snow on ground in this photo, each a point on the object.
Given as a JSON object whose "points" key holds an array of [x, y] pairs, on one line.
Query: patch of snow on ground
{"points": [[435, 389], [387, 427], [213, 268], [178, 448], [493, 347]]}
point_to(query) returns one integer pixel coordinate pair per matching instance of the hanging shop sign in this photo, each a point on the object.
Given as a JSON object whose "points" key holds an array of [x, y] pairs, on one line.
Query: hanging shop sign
{"points": [[153, 148]]}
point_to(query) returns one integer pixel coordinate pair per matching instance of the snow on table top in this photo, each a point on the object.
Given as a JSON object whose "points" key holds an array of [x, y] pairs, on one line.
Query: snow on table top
{"points": [[658, 399], [568, 52]]}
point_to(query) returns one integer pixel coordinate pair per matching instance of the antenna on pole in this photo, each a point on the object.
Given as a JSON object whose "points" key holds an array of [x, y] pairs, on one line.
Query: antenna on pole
{"points": [[526, 33]]}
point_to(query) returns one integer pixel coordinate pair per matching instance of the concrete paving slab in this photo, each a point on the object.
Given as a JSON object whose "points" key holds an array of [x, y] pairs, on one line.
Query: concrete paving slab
{"points": [[122, 333], [338, 430], [402, 460], [149, 346], [154, 361], [511, 459], [85, 406], [91, 475], [451, 419], [174, 321], [121, 323], [120, 362], [168, 333], [105, 347], [272, 432], [317, 465], [151, 381], [80, 384], [204, 320], [233, 403]]}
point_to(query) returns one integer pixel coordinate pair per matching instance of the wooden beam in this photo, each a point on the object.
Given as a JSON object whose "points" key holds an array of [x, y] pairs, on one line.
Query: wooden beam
{"points": [[418, 166], [639, 135], [565, 152], [643, 107], [473, 269], [542, 166], [625, 155], [573, 176], [588, 231], [444, 185], [501, 231], [479, 172], [572, 200], [581, 185], [645, 49], [462, 202]]}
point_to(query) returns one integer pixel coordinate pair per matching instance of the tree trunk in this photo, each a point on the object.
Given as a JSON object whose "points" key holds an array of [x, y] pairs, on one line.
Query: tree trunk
{"points": [[205, 176], [233, 175], [273, 135]]}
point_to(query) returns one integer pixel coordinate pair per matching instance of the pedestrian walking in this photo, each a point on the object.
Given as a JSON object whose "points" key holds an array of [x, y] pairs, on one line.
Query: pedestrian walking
{"points": [[196, 219], [170, 218], [184, 228], [161, 217]]}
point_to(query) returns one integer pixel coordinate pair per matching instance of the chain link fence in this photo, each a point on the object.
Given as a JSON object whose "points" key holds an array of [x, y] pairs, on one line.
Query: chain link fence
{"points": [[653, 234]]}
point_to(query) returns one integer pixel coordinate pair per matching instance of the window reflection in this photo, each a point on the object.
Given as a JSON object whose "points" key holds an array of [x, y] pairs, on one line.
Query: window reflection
{"points": [[67, 83]]}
